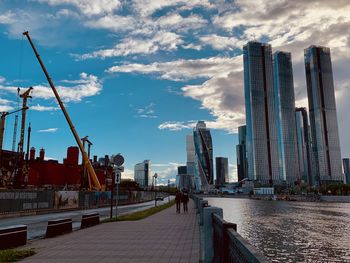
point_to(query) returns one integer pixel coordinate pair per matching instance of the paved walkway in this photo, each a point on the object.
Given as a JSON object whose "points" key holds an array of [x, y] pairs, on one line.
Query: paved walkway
{"points": [[163, 237]]}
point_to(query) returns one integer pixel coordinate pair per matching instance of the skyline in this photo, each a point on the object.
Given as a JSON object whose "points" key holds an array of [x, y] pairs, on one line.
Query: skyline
{"points": [[167, 64]]}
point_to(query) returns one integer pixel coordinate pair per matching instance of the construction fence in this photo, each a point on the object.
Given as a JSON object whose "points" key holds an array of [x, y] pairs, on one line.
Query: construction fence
{"points": [[22, 200]]}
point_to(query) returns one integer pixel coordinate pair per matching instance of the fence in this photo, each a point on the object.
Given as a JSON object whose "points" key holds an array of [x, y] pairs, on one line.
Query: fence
{"points": [[220, 242], [25, 201]]}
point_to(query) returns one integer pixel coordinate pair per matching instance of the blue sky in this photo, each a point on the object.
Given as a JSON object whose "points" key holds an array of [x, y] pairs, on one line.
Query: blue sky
{"points": [[136, 75]]}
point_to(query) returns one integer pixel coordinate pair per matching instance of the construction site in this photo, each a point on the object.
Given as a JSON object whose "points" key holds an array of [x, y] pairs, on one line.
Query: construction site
{"points": [[21, 168]]}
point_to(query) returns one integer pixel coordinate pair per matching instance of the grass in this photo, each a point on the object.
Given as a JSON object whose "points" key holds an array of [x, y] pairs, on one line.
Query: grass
{"points": [[141, 214], [12, 255]]}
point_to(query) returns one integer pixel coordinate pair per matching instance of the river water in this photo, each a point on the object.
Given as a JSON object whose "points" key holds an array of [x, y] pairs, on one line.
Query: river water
{"points": [[291, 231]]}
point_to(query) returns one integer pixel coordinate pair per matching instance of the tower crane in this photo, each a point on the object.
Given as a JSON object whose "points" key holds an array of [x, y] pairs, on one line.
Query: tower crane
{"points": [[2, 127], [86, 159], [25, 95]]}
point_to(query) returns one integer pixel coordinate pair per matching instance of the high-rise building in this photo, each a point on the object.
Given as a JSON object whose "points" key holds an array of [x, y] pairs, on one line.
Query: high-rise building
{"points": [[221, 170], [285, 117], [304, 145], [346, 167], [262, 149], [323, 115], [203, 156], [241, 153], [184, 179], [142, 173], [190, 159]]}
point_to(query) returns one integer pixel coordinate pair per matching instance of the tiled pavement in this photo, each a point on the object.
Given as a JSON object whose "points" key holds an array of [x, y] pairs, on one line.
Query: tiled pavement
{"points": [[163, 237]]}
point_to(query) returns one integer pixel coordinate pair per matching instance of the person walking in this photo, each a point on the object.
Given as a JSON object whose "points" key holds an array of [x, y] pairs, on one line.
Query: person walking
{"points": [[185, 199], [178, 199]]}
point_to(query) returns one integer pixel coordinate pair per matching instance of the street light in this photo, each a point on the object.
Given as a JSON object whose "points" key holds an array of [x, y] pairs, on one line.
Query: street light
{"points": [[155, 191]]}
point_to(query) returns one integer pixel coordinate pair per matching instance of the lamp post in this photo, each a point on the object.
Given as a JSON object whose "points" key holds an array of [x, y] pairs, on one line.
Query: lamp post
{"points": [[155, 190]]}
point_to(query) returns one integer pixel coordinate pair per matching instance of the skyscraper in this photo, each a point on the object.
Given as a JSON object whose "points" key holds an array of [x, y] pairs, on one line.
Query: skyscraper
{"points": [[142, 173], [203, 155], [285, 116], [262, 150], [304, 145], [190, 159], [346, 167], [184, 181], [241, 153], [323, 115], [221, 170]]}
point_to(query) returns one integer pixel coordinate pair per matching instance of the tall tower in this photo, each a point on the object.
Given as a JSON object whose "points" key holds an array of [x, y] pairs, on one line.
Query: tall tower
{"points": [[221, 164], [262, 150], [346, 167], [285, 117], [142, 174], [203, 154], [241, 153], [304, 145], [190, 159], [323, 115]]}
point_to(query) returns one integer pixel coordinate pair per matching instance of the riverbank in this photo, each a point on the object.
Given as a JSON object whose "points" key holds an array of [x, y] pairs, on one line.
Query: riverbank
{"points": [[293, 198]]}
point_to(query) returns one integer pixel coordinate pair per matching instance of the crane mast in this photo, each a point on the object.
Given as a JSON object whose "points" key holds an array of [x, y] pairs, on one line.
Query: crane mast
{"points": [[25, 95], [86, 160]]}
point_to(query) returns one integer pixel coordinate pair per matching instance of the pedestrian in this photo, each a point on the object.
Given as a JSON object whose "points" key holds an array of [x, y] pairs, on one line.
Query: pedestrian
{"points": [[178, 201], [185, 199]]}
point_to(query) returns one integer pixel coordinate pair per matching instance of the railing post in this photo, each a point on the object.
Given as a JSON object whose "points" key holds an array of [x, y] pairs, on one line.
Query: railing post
{"points": [[202, 204], [208, 246], [225, 227]]}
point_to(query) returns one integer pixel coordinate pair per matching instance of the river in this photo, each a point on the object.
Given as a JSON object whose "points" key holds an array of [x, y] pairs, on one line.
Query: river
{"points": [[291, 231]]}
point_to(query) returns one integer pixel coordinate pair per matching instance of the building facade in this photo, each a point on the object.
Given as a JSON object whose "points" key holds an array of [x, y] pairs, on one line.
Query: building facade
{"points": [[262, 149], [323, 116], [222, 175], [285, 117], [203, 156], [191, 161], [346, 168], [304, 145], [142, 174], [241, 153], [184, 179]]}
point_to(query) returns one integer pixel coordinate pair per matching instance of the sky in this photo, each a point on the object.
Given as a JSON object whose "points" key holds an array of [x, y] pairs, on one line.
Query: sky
{"points": [[136, 75]]}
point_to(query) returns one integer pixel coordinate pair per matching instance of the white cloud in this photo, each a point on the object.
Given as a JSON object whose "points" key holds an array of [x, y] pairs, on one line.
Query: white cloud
{"points": [[113, 23], [5, 105], [221, 42], [49, 130], [167, 171], [86, 86], [2, 79], [176, 22], [147, 111], [43, 108], [166, 41], [7, 18], [88, 7], [176, 125]]}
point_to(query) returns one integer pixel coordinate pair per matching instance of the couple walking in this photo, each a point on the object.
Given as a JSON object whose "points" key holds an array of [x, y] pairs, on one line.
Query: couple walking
{"points": [[181, 197]]}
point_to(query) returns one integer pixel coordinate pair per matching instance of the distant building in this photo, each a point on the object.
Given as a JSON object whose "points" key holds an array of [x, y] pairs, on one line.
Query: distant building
{"points": [[323, 115], [262, 149], [304, 145], [285, 117], [184, 179], [346, 167], [191, 160], [203, 156], [142, 174], [241, 153], [221, 170]]}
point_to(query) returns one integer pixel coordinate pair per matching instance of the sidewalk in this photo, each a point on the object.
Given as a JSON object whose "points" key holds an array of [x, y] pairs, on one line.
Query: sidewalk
{"points": [[163, 237]]}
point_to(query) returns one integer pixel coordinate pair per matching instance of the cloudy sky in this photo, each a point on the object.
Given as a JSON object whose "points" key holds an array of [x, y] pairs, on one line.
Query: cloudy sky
{"points": [[136, 75]]}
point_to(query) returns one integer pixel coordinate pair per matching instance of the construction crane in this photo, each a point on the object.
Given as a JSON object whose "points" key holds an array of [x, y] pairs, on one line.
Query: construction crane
{"points": [[2, 127], [86, 140], [86, 160], [25, 95]]}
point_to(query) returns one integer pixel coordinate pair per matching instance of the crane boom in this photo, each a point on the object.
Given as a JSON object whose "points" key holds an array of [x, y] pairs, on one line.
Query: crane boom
{"points": [[75, 134]]}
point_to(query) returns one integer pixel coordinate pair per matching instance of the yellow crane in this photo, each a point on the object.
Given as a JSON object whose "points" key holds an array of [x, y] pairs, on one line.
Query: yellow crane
{"points": [[86, 160]]}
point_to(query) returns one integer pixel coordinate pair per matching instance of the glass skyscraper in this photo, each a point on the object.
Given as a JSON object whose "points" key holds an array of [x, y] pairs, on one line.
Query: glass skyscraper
{"points": [[203, 155], [323, 116], [346, 167], [285, 117], [221, 164], [262, 149], [241, 153], [142, 173], [304, 145], [190, 160]]}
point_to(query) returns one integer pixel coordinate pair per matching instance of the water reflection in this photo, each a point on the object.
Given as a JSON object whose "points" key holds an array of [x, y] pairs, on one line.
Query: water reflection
{"points": [[292, 231]]}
